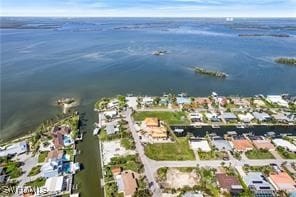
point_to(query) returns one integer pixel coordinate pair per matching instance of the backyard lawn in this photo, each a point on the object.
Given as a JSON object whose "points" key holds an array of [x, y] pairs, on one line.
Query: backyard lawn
{"points": [[169, 117], [178, 150], [211, 155], [259, 154], [35, 170], [286, 154]]}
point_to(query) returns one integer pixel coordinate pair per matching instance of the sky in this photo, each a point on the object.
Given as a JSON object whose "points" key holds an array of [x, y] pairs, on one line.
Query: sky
{"points": [[149, 8]]}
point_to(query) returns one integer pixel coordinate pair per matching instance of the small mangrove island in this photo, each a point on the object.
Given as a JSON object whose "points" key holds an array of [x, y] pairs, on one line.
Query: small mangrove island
{"points": [[212, 73], [284, 60]]}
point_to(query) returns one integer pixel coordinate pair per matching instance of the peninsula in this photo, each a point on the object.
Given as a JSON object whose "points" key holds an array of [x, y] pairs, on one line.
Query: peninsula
{"points": [[212, 73]]}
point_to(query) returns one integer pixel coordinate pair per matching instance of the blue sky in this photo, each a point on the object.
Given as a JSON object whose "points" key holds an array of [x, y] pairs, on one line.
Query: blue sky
{"points": [[151, 8]]}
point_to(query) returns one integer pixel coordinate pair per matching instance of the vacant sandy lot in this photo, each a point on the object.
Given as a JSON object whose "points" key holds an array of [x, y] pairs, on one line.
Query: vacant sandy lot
{"points": [[178, 179]]}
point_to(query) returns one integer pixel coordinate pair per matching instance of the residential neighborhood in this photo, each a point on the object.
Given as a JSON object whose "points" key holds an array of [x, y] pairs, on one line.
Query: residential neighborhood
{"points": [[208, 146]]}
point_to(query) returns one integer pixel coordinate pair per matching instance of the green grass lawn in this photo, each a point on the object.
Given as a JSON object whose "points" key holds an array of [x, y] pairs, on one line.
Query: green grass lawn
{"points": [[264, 169], [35, 170], [127, 143], [13, 169], [212, 155], [259, 154], [42, 156], [286, 154], [39, 182], [169, 117], [178, 150]]}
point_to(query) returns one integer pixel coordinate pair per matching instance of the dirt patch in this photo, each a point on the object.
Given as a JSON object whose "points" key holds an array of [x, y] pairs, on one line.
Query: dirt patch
{"points": [[178, 179]]}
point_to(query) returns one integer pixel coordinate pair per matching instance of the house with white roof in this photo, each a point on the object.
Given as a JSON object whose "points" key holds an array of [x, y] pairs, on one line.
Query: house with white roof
{"points": [[277, 99], [147, 100], [285, 144], [111, 113], [246, 118], [202, 145], [15, 149], [132, 102], [261, 116], [55, 185]]}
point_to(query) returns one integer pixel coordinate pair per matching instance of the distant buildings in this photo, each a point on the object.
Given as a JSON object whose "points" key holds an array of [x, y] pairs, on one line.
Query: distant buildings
{"points": [[277, 99]]}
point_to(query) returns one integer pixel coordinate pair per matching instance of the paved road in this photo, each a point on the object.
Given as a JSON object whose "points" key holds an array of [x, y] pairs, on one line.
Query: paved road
{"points": [[148, 169]]}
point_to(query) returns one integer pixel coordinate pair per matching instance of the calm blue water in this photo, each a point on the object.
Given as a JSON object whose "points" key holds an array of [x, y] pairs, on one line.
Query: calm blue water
{"points": [[46, 58]]}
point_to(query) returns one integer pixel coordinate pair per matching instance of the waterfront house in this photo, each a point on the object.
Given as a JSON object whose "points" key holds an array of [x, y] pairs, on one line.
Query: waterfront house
{"points": [[15, 149], [112, 128], [241, 144], [202, 145], [221, 144], [203, 101], [113, 104], [195, 117], [52, 168], [277, 99], [246, 118], [63, 129], [55, 155], [228, 117], [56, 184], [222, 101], [261, 116], [282, 181], [285, 144], [213, 117], [154, 128], [110, 113], [147, 101], [126, 183], [58, 140], [132, 102], [258, 184], [263, 144], [116, 170], [282, 118], [183, 100], [241, 102], [229, 184]]}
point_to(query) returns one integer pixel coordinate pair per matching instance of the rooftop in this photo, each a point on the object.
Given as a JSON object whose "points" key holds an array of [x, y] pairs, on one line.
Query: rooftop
{"points": [[242, 144], [282, 181], [226, 182]]}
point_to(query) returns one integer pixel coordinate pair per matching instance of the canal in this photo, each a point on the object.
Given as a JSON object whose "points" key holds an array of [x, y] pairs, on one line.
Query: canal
{"points": [[88, 180], [256, 130]]}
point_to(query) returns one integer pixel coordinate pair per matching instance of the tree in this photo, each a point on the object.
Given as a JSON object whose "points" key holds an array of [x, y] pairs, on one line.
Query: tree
{"points": [[156, 100]]}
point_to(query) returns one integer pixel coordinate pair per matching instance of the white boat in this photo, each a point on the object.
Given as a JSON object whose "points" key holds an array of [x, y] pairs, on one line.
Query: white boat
{"points": [[215, 126], [96, 131], [179, 130], [240, 126]]}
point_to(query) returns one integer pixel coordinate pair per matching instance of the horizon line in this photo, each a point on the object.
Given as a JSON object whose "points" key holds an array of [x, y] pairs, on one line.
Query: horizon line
{"points": [[58, 16]]}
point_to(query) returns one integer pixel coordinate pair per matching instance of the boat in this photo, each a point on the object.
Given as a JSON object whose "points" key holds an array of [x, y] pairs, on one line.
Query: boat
{"points": [[178, 130], [96, 131], [240, 126], [215, 126]]}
